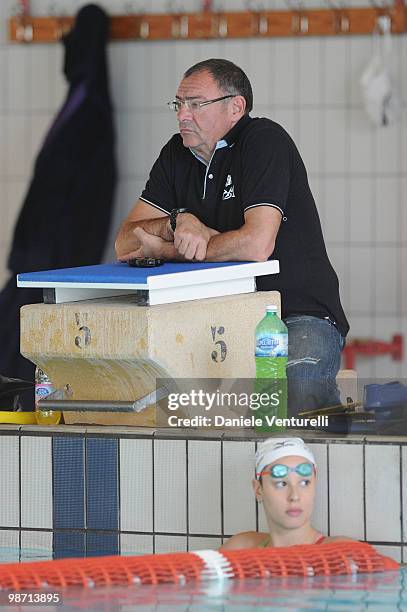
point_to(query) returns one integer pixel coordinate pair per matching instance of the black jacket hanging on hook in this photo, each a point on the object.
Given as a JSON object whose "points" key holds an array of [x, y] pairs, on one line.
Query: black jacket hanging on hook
{"points": [[66, 213]]}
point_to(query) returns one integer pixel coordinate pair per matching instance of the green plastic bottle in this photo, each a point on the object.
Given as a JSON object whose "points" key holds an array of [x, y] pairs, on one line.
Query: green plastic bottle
{"points": [[271, 354]]}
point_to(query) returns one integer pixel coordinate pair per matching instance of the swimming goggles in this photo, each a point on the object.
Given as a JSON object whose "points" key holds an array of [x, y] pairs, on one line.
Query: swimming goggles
{"points": [[281, 471]]}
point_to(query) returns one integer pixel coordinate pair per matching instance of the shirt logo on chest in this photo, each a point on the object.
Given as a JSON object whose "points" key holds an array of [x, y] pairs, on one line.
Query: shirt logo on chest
{"points": [[229, 189]]}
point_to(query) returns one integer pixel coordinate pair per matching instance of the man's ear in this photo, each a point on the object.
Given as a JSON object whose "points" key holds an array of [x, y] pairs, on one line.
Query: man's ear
{"points": [[258, 490], [238, 106]]}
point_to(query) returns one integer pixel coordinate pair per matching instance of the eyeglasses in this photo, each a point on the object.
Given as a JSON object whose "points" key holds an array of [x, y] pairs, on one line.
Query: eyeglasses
{"points": [[194, 105], [282, 471]]}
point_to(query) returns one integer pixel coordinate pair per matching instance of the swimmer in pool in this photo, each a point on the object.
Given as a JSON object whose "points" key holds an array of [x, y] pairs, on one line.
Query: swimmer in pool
{"points": [[285, 484]]}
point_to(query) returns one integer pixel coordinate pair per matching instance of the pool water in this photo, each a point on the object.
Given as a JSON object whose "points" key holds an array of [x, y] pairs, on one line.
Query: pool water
{"points": [[384, 592]]}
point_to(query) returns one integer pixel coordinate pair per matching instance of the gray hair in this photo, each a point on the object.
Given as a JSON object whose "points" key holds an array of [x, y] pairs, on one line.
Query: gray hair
{"points": [[230, 78]]}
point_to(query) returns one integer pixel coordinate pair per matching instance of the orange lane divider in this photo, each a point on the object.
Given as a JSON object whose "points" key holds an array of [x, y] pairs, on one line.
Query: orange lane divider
{"points": [[309, 560], [179, 568]]}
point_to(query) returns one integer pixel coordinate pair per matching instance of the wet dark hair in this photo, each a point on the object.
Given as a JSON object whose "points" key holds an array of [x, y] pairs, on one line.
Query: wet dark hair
{"points": [[230, 78]]}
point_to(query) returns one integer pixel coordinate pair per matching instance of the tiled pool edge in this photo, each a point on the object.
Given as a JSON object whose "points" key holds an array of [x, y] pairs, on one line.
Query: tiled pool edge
{"points": [[113, 489]]}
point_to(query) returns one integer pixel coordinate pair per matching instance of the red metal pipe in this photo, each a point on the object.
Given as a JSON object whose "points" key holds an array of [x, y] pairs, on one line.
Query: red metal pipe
{"points": [[371, 348]]}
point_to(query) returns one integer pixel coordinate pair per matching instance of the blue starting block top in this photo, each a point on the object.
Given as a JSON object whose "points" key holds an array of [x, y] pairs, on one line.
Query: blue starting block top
{"points": [[171, 282]]}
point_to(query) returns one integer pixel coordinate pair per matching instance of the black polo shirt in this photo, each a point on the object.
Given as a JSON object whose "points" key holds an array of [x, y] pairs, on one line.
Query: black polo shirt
{"points": [[256, 164]]}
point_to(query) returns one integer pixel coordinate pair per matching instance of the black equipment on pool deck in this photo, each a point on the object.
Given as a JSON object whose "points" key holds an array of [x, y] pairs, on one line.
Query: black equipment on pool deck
{"points": [[145, 262]]}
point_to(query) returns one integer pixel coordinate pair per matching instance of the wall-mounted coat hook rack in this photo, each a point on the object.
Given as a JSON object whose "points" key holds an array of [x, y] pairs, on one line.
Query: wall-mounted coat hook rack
{"points": [[298, 21]]}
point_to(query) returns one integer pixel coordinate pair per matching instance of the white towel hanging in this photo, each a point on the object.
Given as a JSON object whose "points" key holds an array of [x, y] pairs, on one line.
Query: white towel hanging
{"points": [[381, 99]]}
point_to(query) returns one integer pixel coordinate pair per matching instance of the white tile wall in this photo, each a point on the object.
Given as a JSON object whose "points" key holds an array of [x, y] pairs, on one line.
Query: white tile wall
{"points": [[57, 79], [136, 485], [119, 57], [403, 130], [9, 539], [385, 367], [232, 49], [402, 59], [403, 287], [36, 545], [394, 552], [10, 546], [204, 472], [309, 138], [335, 140], [36, 482], [18, 133], [196, 543], [382, 481], [14, 189], [9, 481], [163, 124], [170, 486], [16, 73], [187, 55], [339, 258], [239, 510], [261, 72], [336, 55], [5, 10], [169, 544], [365, 326], [162, 84], [364, 496], [39, 83], [336, 213], [136, 544], [320, 515], [404, 497], [135, 129], [3, 148], [387, 213], [360, 53], [138, 62], [387, 149], [361, 142], [361, 281], [346, 508], [310, 73], [362, 208], [386, 263], [284, 89], [311, 86], [288, 118]]}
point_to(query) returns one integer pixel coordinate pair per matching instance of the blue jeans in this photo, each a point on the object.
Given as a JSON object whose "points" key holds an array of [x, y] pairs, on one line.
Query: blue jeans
{"points": [[314, 357]]}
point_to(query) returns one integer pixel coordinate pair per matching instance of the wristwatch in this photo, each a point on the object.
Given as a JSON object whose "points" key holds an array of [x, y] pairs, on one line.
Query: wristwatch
{"points": [[173, 216]]}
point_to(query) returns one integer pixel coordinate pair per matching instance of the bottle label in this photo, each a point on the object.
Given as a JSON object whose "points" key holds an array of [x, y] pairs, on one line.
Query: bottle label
{"points": [[272, 345], [42, 390]]}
